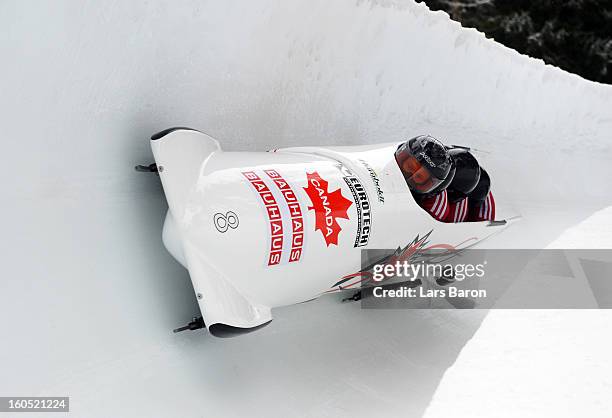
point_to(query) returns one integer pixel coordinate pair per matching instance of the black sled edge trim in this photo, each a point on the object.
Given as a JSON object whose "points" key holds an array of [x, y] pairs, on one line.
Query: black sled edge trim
{"points": [[165, 132], [227, 331]]}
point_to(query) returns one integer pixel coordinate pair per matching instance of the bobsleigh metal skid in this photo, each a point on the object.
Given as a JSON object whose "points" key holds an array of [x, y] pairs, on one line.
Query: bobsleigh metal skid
{"points": [[259, 230]]}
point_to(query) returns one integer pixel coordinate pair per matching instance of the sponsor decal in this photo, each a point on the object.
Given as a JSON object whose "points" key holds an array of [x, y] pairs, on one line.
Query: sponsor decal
{"points": [[375, 180], [327, 206], [364, 213], [426, 157], [295, 213], [278, 222], [274, 216]]}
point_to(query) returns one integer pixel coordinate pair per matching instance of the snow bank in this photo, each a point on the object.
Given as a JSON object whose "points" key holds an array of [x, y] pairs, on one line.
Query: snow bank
{"points": [[593, 232], [531, 363]]}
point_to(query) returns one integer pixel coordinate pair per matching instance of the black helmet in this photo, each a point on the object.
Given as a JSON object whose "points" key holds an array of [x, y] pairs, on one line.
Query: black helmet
{"points": [[425, 163], [467, 172], [449, 178], [481, 190]]}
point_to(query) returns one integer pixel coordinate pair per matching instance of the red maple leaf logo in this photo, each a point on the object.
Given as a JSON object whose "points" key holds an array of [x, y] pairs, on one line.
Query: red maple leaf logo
{"points": [[327, 207]]}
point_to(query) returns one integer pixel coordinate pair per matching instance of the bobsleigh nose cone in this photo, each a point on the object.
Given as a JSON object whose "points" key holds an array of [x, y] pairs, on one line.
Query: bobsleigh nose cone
{"points": [[165, 132]]}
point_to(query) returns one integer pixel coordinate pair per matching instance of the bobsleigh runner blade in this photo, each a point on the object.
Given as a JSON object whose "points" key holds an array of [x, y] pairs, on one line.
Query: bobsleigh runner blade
{"points": [[196, 323], [151, 168]]}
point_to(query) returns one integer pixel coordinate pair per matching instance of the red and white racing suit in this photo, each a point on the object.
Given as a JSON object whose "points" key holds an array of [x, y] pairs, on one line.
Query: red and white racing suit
{"points": [[457, 211], [464, 210], [483, 210], [436, 205]]}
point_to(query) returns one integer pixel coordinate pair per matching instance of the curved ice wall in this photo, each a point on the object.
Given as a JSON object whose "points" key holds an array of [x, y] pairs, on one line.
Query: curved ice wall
{"points": [[361, 72], [268, 73]]}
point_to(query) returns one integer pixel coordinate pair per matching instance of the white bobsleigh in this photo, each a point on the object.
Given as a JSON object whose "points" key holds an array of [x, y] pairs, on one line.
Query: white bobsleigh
{"points": [[259, 230]]}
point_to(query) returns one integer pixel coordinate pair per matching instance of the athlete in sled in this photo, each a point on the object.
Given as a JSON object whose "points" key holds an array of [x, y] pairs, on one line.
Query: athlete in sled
{"points": [[447, 182], [259, 230]]}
